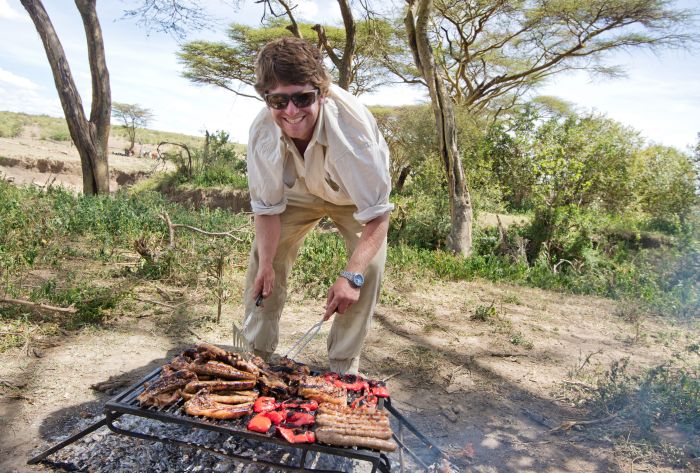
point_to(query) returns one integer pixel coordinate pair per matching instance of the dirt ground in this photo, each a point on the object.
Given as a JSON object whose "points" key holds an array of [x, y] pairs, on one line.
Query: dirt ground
{"points": [[492, 394], [27, 160], [489, 404]]}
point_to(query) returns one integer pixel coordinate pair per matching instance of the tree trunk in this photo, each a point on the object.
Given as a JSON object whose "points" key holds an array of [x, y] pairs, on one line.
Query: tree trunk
{"points": [[90, 137], [344, 63], [345, 69], [417, 17]]}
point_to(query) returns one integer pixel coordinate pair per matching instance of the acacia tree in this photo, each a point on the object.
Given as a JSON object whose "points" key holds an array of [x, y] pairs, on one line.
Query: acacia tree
{"points": [[490, 50], [89, 136], [230, 64], [417, 19], [132, 116], [485, 54]]}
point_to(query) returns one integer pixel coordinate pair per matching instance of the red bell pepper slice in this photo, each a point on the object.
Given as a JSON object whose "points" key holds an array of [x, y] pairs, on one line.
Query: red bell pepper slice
{"points": [[300, 418], [366, 400], [309, 406], [379, 391], [331, 376], [351, 382], [277, 417], [260, 423], [291, 437], [264, 404], [299, 404]]}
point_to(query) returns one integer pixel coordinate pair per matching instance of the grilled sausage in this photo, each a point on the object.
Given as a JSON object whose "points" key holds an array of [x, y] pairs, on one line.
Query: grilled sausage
{"points": [[325, 435], [224, 399], [325, 419]]}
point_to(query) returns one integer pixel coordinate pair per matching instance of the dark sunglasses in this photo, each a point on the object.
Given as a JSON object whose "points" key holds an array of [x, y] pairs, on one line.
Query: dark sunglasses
{"points": [[300, 99]]}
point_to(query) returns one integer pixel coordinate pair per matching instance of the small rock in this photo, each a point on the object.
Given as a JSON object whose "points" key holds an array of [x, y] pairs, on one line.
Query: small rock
{"points": [[449, 413]]}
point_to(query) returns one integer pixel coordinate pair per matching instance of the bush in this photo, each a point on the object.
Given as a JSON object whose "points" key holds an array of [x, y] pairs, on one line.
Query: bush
{"points": [[91, 302], [666, 392], [214, 164], [10, 125]]}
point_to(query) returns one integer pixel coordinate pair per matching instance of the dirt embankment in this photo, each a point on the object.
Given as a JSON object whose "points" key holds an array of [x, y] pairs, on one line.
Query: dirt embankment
{"points": [[26, 160]]}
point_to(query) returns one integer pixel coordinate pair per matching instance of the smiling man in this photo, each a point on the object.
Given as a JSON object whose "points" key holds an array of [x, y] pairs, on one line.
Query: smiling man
{"points": [[315, 151]]}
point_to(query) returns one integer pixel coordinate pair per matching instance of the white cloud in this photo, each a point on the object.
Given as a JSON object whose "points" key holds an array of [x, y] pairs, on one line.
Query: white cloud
{"points": [[8, 13], [306, 9], [17, 81]]}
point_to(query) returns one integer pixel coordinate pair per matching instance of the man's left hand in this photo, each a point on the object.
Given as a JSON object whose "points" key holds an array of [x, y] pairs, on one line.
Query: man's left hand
{"points": [[341, 296]]}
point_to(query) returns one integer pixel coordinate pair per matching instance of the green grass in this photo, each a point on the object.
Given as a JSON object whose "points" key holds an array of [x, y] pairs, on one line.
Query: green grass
{"points": [[154, 137]]}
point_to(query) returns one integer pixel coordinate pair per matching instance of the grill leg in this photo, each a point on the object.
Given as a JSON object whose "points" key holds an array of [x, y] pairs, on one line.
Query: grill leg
{"points": [[74, 438]]}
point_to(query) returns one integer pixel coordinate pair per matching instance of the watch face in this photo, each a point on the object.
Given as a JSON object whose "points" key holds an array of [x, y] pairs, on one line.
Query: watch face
{"points": [[358, 280]]}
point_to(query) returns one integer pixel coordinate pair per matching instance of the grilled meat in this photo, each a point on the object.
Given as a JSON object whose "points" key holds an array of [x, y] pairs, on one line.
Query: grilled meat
{"points": [[318, 389], [352, 421], [223, 398], [356, 430], [220, 370], [290, 367], [208, 352], [163, 391], [363, 411], [180, 362], [362, 426], [219, 385], [273, 385], [202, 405], [324, 435]]}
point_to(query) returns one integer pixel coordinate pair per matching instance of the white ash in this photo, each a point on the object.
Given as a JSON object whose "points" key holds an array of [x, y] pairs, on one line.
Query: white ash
{"points": [[107, 452]]}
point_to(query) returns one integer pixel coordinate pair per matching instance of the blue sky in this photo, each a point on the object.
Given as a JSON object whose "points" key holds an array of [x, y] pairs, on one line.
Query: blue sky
{"points": [[660, 96]]}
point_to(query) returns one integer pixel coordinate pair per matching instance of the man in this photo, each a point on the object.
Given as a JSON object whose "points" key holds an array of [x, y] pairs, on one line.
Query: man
{"points": [[314, 151]]}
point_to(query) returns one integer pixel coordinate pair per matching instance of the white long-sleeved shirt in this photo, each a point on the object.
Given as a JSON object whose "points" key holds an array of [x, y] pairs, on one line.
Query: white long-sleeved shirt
{"points": [[345, 163]]}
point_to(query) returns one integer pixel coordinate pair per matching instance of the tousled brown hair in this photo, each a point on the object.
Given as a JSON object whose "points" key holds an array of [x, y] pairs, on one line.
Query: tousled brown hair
{"points": [[290, 61]]}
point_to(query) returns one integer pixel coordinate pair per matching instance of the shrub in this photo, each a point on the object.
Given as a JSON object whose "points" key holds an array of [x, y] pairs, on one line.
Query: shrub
{"points": [[665, 392], [216, 163], [91, 302]]}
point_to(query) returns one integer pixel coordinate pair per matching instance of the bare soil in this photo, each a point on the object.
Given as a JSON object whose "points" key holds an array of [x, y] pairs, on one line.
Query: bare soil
{"points": [[491, 405], [27, 160], [495, 395]]}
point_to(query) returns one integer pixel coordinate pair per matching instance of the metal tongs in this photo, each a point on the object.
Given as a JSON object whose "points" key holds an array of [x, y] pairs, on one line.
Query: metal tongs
{"points": [[305, 339]]}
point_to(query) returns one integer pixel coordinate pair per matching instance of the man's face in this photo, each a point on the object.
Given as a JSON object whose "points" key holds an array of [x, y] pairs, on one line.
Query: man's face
{"points": [[296, 122]]}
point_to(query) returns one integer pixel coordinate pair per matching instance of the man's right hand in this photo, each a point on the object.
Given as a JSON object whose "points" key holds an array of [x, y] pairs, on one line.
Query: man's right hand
{"points": [[264, 281], [267, 236]]}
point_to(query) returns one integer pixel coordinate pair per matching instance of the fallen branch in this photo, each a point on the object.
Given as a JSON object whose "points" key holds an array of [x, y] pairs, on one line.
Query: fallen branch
{"points": [[384, 380], [539, 418], [172, 226], [148, 301], [580, 385], [39, 305], [506, 355], [195, 333], [570, 424]]}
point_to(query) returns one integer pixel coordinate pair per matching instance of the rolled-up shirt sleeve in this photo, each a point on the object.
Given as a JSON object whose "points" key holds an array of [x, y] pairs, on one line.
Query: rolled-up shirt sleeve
{"points": [[265, 163]]}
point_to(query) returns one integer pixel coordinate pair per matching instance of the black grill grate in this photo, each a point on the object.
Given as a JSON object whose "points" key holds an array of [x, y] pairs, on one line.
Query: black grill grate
{"points": [[126, 404], [245, 446]]}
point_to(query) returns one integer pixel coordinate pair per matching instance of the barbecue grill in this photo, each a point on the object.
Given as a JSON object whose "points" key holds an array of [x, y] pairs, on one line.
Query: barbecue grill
{"points": [[411, 442]]}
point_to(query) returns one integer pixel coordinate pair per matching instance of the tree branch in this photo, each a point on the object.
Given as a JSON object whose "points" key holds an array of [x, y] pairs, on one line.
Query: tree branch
{"points": [[38, 305]]}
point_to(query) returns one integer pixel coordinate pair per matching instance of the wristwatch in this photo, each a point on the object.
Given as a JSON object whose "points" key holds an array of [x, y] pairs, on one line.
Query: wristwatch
{"points": [[356, 279]]}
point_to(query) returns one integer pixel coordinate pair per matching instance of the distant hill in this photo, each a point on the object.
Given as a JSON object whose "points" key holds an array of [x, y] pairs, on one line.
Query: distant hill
{"points": [[44, 127]]}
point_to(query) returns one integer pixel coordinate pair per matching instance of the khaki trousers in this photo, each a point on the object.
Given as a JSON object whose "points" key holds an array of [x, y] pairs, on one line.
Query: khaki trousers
{"points": [[349, 330]]}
